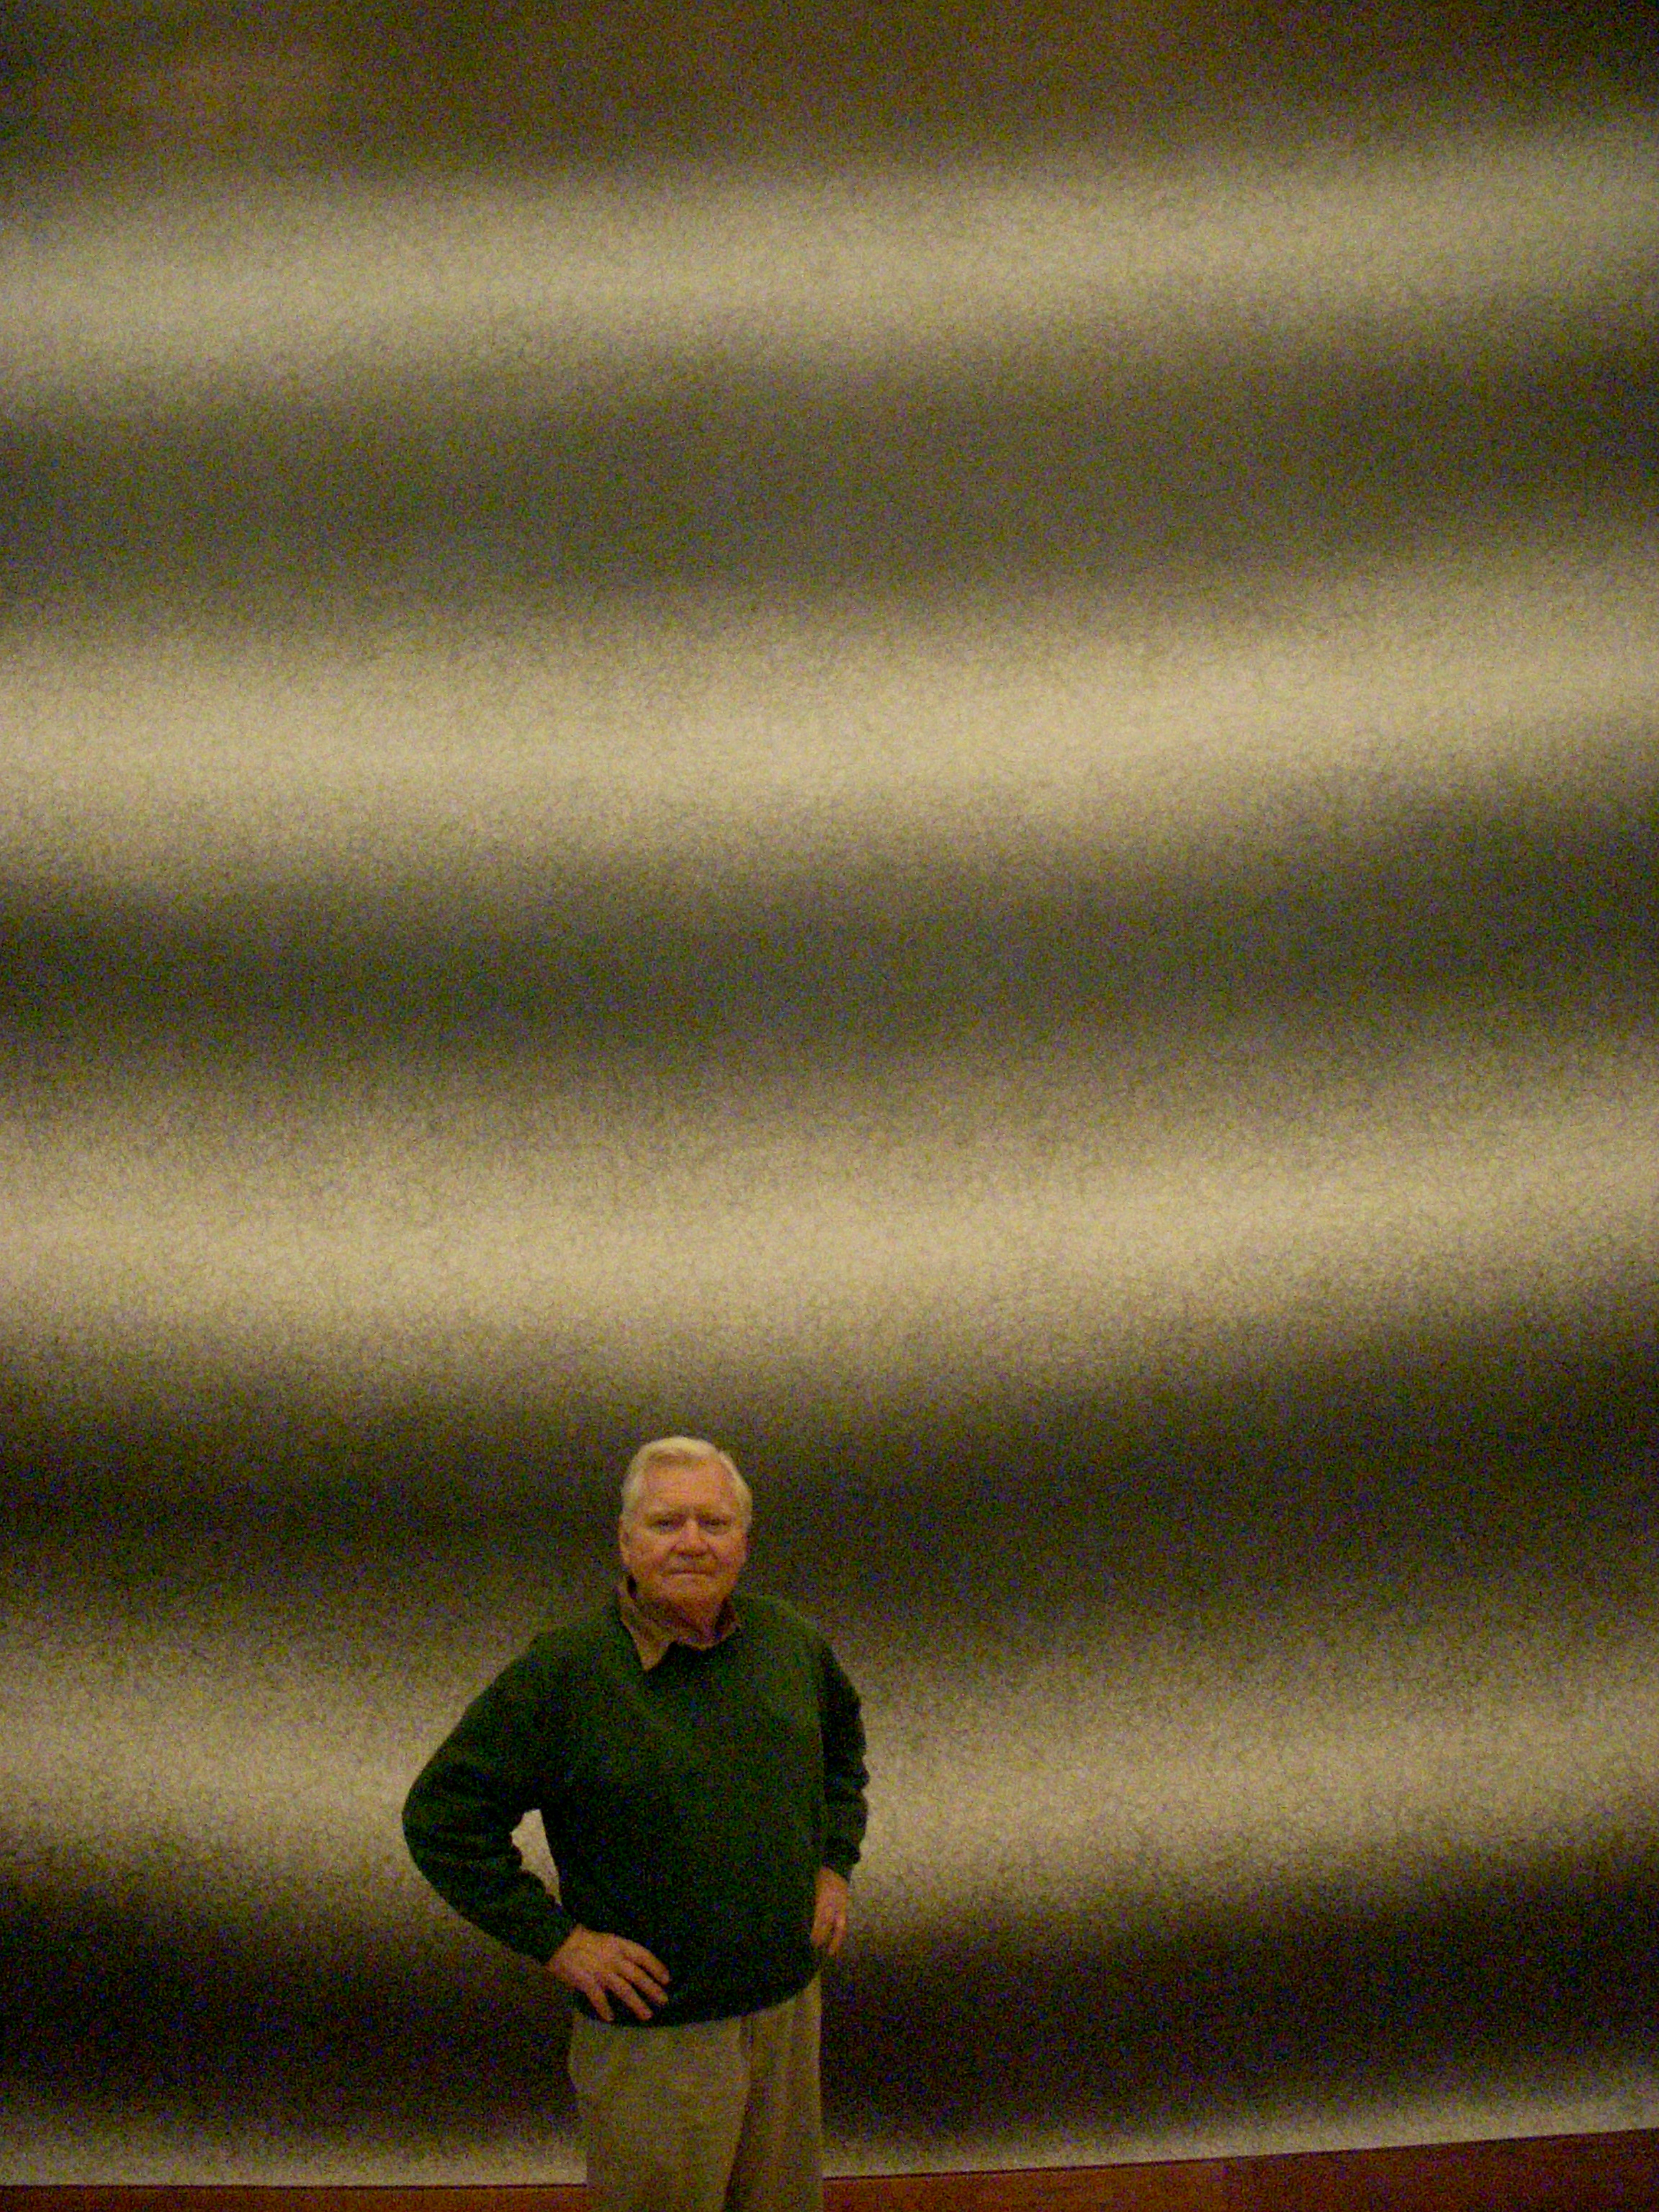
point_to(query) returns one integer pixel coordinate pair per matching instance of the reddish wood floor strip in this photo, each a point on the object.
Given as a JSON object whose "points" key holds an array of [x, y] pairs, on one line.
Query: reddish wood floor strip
{"points": [[1550, 2173], [1545, 2174], [1194, 2187]]}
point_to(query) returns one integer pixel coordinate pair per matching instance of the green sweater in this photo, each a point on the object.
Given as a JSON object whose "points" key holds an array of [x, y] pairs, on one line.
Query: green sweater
{"points": [[689, 1806]]}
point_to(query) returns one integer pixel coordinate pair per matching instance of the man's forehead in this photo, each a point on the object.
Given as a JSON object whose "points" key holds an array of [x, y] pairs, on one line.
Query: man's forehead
{"points": [[677, 1481]]}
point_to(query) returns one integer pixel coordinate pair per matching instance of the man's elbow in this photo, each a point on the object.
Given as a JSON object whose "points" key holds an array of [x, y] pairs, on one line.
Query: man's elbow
{"points": [[422, 1824]]}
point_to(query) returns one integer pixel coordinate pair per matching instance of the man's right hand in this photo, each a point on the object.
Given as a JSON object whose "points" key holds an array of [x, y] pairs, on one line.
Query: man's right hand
{"points": [[601, 1967]]}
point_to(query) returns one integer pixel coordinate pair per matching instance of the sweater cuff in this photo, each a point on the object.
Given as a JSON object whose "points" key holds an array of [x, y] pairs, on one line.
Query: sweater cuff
{"points": [[535, 1930], [558, 1927]]}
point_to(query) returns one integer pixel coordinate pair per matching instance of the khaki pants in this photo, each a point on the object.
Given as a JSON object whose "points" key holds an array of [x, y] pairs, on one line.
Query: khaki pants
{"points": [[719, 2116]]}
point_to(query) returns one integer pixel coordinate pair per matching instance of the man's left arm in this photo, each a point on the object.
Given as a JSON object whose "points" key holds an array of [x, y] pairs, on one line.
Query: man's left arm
{"points": [[845, 1780]]}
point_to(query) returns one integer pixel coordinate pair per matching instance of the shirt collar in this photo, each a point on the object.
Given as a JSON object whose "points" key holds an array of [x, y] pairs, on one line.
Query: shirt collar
{"points": [[652, 1632]]}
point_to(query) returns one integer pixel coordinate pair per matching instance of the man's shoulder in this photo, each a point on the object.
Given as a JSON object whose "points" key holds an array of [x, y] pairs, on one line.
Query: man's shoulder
{"points": [[596, 1629], [775, 1618], [580, 1641]]}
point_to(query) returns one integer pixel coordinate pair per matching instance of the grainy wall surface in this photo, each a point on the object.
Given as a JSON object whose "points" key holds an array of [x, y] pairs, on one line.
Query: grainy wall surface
{"points": [[974, 810]]}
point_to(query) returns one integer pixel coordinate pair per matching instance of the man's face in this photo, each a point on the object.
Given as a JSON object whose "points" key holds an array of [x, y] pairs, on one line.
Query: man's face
{"points": [[685, 1543]]}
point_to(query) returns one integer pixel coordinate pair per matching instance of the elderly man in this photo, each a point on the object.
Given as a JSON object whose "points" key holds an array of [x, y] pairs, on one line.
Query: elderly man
{"points": [[697, 1760]]}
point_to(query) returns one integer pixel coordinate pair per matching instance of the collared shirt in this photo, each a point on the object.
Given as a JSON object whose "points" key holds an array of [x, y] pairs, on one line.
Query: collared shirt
{"points": [[651, 1631]]}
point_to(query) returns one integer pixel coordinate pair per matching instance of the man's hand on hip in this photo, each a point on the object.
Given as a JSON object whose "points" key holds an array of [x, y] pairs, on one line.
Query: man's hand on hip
{"points": [[601, 1967], [829, 1913]]}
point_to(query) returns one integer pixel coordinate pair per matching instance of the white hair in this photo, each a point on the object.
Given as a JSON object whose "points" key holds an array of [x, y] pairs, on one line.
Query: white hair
{"points": [[682, 1451]]}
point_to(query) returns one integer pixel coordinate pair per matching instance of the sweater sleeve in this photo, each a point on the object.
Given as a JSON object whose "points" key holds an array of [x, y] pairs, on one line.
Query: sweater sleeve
{"points": [[845, 1776], [460, 1816]]}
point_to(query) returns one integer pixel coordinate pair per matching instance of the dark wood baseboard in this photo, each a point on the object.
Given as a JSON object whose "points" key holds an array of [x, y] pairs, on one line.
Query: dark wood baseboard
{"points": [[1539, 2173]]}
